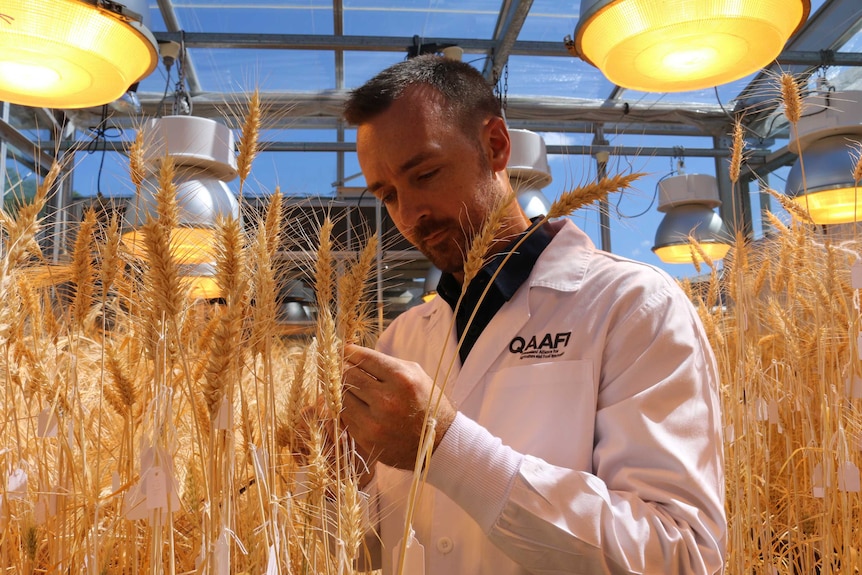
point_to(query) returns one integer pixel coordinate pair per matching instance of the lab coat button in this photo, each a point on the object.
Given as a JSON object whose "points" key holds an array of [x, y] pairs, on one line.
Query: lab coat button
{"points": [[445, 545]]}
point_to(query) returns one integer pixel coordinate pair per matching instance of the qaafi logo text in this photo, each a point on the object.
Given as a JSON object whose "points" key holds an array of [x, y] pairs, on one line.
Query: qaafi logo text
{"points": [[546, 346]]}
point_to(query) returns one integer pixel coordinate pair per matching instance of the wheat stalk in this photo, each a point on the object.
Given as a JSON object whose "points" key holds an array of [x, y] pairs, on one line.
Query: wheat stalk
{"points": [[82, 269]]}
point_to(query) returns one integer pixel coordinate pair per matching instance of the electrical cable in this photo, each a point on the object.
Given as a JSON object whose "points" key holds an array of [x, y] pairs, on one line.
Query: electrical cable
{"points": [[100, 133]]}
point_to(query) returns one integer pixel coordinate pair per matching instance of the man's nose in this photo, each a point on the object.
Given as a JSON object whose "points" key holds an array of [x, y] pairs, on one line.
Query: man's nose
{"points": [[413, 207]]}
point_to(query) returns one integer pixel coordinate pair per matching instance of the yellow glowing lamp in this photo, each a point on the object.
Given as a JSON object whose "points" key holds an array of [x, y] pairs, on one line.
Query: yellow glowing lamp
{"points": [[200, 281], [836, 206], [187, 245], [683, 254], [72, 53], [680, 45]]}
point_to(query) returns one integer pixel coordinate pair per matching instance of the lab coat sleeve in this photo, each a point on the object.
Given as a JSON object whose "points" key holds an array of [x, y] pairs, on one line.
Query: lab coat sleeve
{"points": [[654, 500]]}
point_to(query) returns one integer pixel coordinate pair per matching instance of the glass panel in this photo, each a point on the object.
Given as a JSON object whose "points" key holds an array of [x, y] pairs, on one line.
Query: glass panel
{"points": [[298, 173], [264, 17], [550, 21], [362, 66], [226, 70], [102, 172], [550, 76], [440, 19], [19, 182]]}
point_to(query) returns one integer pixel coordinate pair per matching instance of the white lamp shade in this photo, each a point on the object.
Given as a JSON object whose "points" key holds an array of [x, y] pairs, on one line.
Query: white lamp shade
{"points": [[528, 160], [688, 189], [679, 45], [71, 54], [190, 141]]}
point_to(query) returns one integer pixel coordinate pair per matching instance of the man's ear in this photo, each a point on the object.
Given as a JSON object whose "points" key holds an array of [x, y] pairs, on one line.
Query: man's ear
{"points": [[499, 145]]}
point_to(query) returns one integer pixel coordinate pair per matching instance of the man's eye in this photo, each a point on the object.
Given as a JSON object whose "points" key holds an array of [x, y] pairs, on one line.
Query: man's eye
{"points": [[387, 197], [428, 175]]}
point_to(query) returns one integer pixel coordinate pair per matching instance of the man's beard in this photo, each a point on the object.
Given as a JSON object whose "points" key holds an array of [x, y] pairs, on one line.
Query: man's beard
{"points": [[446, 255]]}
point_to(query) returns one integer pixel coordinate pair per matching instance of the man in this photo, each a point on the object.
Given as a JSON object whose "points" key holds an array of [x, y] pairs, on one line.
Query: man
{"points": [[580, 428]]}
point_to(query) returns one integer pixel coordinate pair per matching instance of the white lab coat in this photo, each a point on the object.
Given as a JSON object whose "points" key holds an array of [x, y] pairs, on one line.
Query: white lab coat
{"points": [[588, 438]]}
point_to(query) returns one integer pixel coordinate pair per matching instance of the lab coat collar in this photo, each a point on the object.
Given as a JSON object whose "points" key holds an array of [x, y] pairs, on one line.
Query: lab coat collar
{"points": [[562, 266]]}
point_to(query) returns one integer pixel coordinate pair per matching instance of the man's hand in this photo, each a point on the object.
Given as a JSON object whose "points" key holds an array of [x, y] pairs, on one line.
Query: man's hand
{"points": [[385, 403]]}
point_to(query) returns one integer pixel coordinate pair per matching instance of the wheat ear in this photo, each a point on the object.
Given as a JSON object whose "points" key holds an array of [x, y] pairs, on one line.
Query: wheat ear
{"points": [[573, 200], [82, 269]]}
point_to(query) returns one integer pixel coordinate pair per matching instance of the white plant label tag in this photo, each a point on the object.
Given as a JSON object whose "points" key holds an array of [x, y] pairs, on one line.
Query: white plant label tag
{"points": [[761, 409], [40, 511], [223, 418], [774, 417], [848, 477], [856, 274], [853, 386], [414, 558], [729, 434], [817, 482], [222, 556], [272, 562], [16, 484], [157, 489], [47, 425]]}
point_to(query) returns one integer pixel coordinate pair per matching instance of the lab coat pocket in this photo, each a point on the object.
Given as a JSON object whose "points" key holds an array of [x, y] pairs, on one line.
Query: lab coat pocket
{"points": [[546, 410]]}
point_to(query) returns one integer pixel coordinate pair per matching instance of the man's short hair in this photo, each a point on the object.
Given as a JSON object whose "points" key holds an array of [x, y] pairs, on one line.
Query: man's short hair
{"points": [[466, 92]]}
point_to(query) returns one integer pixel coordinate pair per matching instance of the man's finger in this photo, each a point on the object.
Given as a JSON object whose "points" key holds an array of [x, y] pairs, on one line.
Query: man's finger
{"points": [[372, 362]]}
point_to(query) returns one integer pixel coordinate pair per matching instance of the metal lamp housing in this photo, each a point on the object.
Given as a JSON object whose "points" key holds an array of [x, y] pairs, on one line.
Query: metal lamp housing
{"points": [[827, 138], [688, 201], [202, 151], [529, 171]]}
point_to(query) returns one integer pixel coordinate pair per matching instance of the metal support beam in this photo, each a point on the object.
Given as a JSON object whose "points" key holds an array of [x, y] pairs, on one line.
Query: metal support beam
{"points": [[338, 31], [42, 161], [509, 24], [4, 116], [815, 59], [735, 205], [602, 157], [557, 112], [352, 43], [166, 7], [828, 29], [755, 155]]}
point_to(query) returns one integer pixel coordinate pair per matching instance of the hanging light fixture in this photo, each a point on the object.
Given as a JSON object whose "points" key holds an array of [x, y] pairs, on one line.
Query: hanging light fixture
{"points": [[199, 281], [432, 279], [73, 53], [202, 151], [529, 171], [826, 137], [679, 45], [688, 201]]}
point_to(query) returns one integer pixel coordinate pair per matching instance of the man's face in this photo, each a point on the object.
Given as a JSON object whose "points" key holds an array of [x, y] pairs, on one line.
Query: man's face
{"points": [[436, 182]]}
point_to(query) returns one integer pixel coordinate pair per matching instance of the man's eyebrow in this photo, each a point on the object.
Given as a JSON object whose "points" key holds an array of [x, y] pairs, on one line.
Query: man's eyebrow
{"points": [[413, 162], [406, 166]]}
